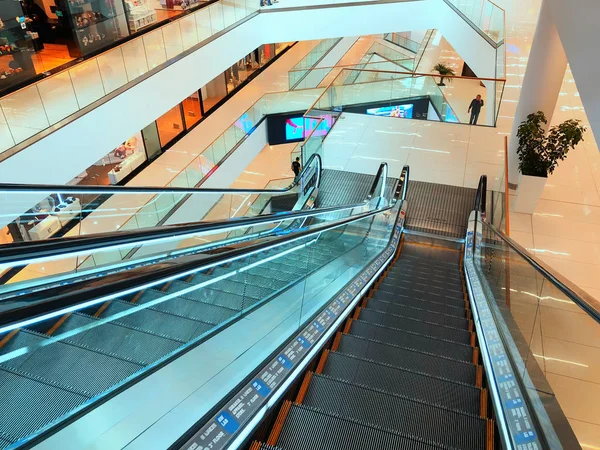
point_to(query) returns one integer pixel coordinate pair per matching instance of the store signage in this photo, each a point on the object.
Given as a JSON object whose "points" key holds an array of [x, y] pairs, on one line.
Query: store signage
{"points": [[220, 430]]}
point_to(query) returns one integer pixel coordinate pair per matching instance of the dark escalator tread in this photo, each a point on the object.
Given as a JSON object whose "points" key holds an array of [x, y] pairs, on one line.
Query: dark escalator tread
{"points": [[400, 300], [306, 428], [277, 272], [436, 254], [420, 265], [28, 404], [455, 301], [246, 290], [405, 383], [68, 365], [425, 277], [406, 359], [208, 294], [133, 345], [411, 271], [411, 418], [416, 326], [417, 342], [185, 307], [420, 313], [156, 322], [421, 285], [254, 279]]}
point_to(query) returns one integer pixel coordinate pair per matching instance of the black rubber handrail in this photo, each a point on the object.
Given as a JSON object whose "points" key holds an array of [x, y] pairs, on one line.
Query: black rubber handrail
{"points": [[481, 197], [23, 306], [381, 172], [22, 251]]}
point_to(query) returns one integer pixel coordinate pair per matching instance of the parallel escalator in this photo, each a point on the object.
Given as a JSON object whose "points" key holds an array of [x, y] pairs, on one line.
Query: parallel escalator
{"points": [[404, 373]]}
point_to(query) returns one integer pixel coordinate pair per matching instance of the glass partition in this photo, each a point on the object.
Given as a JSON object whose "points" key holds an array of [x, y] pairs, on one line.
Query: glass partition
{"points": [[547, 334], [73, 360], [34, 108], [408, 95], [403, 41], [306, 64], [485, 15]]}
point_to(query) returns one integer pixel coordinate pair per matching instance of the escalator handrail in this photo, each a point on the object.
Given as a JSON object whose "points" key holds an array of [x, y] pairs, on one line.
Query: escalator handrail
{"points": [[581, 298], [112, 190], [28, 250], [25, 308], [480, 198], [59, 299], [381, 172]]}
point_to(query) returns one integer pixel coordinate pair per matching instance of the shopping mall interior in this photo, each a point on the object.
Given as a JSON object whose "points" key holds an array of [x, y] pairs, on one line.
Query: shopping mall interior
{"points": [[299, 224]]}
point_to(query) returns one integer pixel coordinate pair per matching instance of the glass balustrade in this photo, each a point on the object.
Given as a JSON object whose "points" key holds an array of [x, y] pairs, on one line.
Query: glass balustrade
{"points": [[485, 15], [39, 106]]}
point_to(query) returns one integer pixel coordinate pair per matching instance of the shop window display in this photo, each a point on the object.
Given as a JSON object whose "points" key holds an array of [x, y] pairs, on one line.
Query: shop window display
{"points": [[16, 43], [170, 125], [192, 110]]}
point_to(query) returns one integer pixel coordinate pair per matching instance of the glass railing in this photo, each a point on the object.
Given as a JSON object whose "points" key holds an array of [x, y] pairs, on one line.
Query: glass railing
{"points": [[485, 15], [39, 215], [39, 106], [72, 360], [306, 64], [545, 326], [402, 41], [424, 44], [388, 91]]}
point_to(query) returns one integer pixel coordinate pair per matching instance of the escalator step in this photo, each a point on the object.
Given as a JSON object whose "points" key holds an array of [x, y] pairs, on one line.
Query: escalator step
{"points": [[421, 277], [193, 309], [416, 342], [423, 286], [275, 271], [66, 364], [400, 301], [29, 404], [415, 419], [422, 296], [406, 359], [209, 295], [406, 383], [306, 428], [152, 321], [418, 313], [415, 265], [134, 345], [440, 258], [415, 326]]}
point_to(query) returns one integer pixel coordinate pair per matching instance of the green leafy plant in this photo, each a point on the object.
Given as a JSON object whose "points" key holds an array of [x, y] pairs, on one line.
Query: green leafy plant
{"points": [[444, 71], [539, 152]]}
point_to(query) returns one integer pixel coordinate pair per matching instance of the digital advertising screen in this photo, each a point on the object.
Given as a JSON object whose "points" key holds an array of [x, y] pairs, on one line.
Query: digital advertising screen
{"points": [[402, 111], [286, 128]]}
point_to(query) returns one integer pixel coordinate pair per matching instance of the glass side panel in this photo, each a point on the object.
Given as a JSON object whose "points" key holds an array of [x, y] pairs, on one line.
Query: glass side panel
{"points": [[68, 362], [551, 339]]}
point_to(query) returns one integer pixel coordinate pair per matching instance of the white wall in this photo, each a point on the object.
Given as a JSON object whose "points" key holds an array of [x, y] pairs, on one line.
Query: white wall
{"points": [[577, 24], [60, 156]]}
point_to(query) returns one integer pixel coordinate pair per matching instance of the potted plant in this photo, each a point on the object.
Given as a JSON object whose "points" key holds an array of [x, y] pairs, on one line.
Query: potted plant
{"points": [[539, 153], [444, 71]]}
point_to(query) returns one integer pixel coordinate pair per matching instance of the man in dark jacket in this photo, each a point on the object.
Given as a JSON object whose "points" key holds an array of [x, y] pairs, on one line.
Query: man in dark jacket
{"points": [[475, 109]]}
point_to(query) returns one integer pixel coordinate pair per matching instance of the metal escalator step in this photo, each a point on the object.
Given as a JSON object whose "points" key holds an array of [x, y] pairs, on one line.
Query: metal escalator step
{"points": [[416, 326], [275, 271], [209, 295], [67, 364], [246, 290], [412, 272], [438, 257], [424, 286], [152, 321], [185, 307], [29, 404], [460, 323], [406, 383], [419, 264], [399, 300], [408, 359], [111, 339], [255, 279], [415, 292], [417, 342], [306, 428], [422, 277], [411, 418]]}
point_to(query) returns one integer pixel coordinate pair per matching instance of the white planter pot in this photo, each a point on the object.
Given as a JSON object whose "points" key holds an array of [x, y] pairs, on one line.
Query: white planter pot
{"points": [[529, 192]]}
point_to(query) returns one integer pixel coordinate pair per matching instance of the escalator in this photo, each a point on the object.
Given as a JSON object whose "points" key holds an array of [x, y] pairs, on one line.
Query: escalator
{"points": [[361, 326], [404, 373], [69, 345]]}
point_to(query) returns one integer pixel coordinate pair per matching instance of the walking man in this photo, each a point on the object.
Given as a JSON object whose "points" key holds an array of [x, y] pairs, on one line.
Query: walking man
{"points": [[296, 166], [475, 109]]}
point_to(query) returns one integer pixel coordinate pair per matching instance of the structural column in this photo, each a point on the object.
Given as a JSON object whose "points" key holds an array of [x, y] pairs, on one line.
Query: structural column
{"points": [[542, 82]]}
